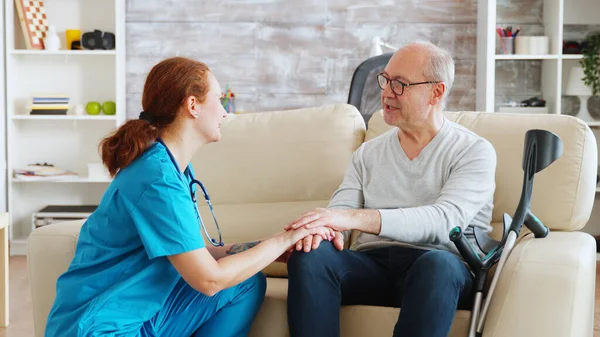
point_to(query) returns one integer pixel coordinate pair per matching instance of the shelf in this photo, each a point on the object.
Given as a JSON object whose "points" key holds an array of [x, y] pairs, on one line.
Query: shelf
{"points": [[63, 52], [538, 57], [66, 117], [62, 180], [572, 57], [593, 124], [526, 57]]}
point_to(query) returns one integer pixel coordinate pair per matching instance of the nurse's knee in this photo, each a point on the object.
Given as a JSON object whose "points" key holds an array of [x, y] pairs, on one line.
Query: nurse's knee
{"points": [[260, 283], [255, 286]]}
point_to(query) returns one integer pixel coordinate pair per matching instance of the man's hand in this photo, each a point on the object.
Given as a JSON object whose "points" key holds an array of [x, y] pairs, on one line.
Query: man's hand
{"points": [[340, 220], [337, 219], [312, 242]]}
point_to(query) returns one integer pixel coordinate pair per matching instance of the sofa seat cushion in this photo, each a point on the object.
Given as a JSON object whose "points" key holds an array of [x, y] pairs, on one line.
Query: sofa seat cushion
{"points": [[355, 320]]}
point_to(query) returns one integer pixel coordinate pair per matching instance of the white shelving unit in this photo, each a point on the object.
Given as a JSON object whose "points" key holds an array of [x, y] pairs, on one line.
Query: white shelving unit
{"points": [[557, 14], [3, 161], [555, 66], [67, 141]]}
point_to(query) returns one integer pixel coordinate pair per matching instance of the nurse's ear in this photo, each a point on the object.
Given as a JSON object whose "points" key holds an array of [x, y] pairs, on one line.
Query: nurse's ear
{"points": [[193, 107]]}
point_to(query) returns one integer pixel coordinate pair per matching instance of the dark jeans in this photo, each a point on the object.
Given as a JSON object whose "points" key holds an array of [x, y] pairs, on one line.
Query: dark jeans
{"points": [[428, 285]]}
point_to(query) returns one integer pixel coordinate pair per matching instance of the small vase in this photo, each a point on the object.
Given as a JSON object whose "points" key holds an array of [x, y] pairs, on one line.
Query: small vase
{"points": [[52, 42]]}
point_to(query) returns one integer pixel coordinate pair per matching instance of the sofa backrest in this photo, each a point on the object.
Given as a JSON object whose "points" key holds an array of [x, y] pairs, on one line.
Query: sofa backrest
{"points": [[563, 193], [269, 168]]}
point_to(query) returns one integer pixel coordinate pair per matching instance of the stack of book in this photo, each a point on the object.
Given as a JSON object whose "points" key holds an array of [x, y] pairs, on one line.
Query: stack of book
{"points": [[50, 105], [43, 171]]}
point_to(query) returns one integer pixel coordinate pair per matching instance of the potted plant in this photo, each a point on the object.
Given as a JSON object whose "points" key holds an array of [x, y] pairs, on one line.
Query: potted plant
{"points": [[591, 62]]}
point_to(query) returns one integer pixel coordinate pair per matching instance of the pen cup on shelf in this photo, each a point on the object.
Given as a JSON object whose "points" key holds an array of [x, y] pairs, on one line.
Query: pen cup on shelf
{"points": [[507, 45]]}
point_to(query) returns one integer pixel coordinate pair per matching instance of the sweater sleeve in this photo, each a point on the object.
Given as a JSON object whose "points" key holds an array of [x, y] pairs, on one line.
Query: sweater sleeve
{"points": [[349, 194], [469, 187]]}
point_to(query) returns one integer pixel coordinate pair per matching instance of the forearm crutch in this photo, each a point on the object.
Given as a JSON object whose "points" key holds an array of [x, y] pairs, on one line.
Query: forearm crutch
{"points": [[541, 149]]}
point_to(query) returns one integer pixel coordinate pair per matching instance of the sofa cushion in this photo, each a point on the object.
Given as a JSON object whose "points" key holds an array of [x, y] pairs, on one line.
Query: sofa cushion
{"points": [[569, 184], [305, 150]]}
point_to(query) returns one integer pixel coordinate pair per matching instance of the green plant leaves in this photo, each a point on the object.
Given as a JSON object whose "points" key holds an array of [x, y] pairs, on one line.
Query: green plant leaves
{"points": [[591, 63]]}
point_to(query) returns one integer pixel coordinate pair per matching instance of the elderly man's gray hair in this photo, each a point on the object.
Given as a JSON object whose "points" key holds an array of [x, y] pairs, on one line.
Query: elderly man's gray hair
{"points": [[441, 67]]}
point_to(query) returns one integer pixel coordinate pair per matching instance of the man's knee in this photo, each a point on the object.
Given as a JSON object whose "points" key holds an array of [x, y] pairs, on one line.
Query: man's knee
{"points": [[440, 267], [313, 262]]}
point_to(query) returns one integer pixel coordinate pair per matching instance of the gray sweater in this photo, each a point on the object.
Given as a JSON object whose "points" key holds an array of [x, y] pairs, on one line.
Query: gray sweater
{"points": [[450, 183]]}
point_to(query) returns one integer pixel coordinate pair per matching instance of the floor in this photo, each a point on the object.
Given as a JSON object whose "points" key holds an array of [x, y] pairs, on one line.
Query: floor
{"points": [[21, 318], [20, 315]]}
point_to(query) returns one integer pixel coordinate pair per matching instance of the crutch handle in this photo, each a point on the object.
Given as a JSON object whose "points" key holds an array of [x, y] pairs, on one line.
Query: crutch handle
{"points": [[465, 248], [536, 226]]}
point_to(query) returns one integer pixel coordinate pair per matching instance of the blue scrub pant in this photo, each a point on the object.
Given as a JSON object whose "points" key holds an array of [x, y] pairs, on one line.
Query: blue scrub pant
{"points": [[229, 313], [428, 286]]}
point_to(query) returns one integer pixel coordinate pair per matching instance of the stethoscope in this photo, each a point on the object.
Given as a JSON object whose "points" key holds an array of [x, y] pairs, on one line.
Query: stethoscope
{"points": [[193, 196]]}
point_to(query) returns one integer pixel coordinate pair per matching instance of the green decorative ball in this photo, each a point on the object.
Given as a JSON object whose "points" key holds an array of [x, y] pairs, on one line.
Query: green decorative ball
{"points": [[93, 108], [109, 108]]}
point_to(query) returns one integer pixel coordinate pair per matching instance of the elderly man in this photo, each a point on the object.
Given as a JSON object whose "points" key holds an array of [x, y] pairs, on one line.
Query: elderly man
{"points": [[403, 192]]}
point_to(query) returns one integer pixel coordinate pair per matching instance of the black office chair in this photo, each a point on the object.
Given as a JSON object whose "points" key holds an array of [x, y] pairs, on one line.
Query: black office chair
{"points": [[364, 91]]}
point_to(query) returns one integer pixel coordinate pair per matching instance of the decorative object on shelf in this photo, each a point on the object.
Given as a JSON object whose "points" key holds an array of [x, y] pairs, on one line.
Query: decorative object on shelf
{"points": [[43, 171], [34, 23], [531, 105], [591, 63], [577, 87], [98, 40], [79, 109], [571, 48], [532, 45], [93, 108], [109, 108], [534, 102], [228, 100], [49, 105], [507, 39], [52, 42], [73, 39]]}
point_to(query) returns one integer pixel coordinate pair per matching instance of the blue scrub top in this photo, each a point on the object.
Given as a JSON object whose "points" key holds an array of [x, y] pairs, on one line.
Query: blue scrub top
{"points": [[120, 275]]}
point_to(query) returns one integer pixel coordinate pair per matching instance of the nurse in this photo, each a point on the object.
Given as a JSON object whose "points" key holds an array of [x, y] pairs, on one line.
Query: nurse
{"points": [[141, 266]]}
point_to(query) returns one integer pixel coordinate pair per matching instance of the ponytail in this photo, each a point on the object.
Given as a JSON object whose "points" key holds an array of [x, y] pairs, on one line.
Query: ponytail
{"points": [[121, 148]]}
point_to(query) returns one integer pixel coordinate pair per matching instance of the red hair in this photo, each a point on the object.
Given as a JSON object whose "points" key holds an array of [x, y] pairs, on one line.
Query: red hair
{"points": [[167, 87]]}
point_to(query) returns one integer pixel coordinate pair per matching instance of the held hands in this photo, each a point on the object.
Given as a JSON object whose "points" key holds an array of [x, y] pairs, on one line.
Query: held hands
{"points": [[312, 242], [337, 219], [293, 236]]}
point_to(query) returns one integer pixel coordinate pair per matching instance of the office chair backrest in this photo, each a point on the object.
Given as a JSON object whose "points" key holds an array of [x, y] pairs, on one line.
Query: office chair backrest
{"points": [[364, 91]]}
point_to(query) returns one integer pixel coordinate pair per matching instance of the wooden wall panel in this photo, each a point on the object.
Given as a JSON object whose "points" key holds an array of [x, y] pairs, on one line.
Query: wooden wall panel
{"points": [[278, 54]]}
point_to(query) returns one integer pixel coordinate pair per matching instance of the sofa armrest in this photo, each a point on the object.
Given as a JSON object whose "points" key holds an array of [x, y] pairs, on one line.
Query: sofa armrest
{"points": [[50, 250], [546, 288]]}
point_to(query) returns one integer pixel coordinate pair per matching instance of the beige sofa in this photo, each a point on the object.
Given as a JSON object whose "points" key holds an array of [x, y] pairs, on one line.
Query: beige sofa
{"points": [[270, 167]]}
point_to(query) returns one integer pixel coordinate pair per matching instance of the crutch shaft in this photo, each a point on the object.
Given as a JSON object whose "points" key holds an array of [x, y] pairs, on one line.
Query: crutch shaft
{"points": [[510, 242]]}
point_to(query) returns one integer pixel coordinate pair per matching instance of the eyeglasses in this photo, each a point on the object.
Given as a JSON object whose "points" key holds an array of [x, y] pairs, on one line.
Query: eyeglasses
{"points": [[207, 198], [397, 86]]}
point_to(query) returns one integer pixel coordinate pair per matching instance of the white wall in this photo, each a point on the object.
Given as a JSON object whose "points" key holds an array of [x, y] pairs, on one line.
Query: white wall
{"points": [[583, 12], [3, 173]]}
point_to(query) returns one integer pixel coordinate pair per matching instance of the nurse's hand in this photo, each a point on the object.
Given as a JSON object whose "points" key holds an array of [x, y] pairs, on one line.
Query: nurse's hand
{"points": [[324, 233], [312, 242]]}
